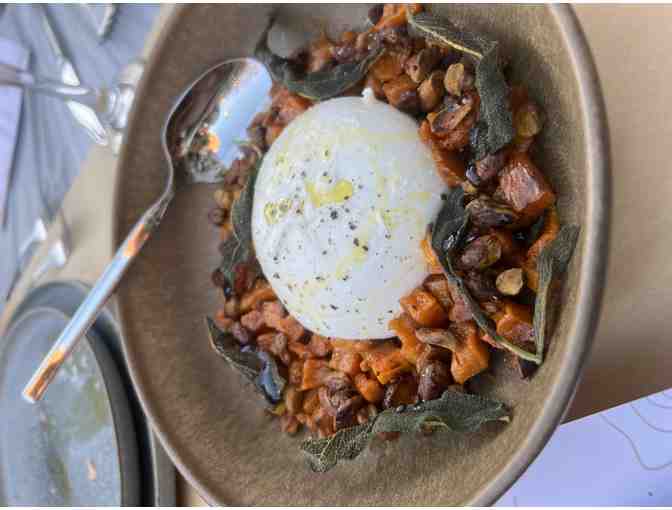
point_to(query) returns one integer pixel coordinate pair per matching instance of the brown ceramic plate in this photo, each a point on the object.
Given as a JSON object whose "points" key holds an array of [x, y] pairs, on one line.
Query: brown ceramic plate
{"points": [[217, 435]]}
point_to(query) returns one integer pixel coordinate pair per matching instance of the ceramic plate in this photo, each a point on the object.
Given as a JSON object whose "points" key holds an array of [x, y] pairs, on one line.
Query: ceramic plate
{"points": [[213, 429], [157, 471], [77, 446]]}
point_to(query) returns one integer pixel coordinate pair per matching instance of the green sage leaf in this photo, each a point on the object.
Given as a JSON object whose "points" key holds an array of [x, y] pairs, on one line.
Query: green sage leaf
{"points": [[495, 127], [552, 262], [319, 85], [453, 411], [494, 113], [258, 367], [238, 249], [442, 31], [447, 235]]}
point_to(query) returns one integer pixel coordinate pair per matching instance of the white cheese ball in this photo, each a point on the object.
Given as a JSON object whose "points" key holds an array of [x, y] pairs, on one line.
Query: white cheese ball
{"points": [[342, 201]]}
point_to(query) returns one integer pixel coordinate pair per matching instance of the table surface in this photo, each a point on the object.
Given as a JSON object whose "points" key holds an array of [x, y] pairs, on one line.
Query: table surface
{"points": [[630, 357]]}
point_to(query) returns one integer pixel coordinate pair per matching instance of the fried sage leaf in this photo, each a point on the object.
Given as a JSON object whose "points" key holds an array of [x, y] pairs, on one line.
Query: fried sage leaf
{"points": [[453, 411], [552, 262], [319, 85], [258, 367], [442, 31], [238, 249], [495, 127], [447, 235]]}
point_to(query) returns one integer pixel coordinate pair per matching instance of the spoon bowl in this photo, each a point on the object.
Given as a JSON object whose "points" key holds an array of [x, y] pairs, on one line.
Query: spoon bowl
{"points": [[219, 105]]}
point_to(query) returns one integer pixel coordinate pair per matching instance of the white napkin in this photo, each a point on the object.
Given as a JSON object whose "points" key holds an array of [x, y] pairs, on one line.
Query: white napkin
{"points": [[618, 457], [16, 55]]}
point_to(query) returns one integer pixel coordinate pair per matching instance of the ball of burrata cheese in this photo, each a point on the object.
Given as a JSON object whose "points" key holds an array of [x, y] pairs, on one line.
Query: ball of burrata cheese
{"points": [[342, 201]]}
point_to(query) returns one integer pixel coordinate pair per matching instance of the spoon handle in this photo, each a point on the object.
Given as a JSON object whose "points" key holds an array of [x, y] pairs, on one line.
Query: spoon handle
{"points": [[89, 310]]}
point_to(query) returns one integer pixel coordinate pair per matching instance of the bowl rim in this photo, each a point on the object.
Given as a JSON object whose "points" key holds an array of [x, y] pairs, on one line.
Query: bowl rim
{"points": [[591, 278]]}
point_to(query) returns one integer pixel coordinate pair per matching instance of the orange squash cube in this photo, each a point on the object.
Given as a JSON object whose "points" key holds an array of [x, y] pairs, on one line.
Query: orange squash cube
{"points": [[472, 355], [424, 308], [514, 323], [525, 187], [405, 328], [371, 390], [345, 361]]}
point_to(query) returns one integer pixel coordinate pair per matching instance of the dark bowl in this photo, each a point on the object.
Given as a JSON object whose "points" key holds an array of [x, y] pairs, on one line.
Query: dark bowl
{"points": [[216, 434]]}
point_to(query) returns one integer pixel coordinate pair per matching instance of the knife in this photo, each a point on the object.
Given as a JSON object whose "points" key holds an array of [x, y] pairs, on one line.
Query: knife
{"points": [[84, 115]]}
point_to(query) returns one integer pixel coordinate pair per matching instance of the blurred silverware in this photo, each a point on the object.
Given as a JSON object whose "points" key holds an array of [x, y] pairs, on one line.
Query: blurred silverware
{"points": [[83, 114], [102, 18], [223, 101], [130, 78], [57, 256], [111, 104]]}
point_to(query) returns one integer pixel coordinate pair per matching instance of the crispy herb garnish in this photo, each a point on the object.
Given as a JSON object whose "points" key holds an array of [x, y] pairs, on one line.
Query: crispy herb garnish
{"points": [[238, 249], [552, 262], [319, 85], [260, 368], [498, 128], [447, 235], [453, 411], [495, 127]]}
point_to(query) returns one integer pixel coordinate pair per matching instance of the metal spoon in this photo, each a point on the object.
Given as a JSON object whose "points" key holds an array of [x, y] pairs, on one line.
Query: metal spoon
{"points": [[223, 101]]}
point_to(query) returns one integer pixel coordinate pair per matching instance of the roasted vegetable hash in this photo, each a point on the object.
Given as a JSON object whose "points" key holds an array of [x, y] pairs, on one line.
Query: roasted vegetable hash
{"points": [[484, 252]]}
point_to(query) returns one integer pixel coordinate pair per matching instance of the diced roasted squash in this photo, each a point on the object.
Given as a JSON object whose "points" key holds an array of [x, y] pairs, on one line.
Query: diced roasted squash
{"points": [[402, 93], [514, 322], [311, 401], [387, 362], [548, 233], [259, 294], [438, 286], [424, 308], [295, 372], [318, 347], [471, 356], [345, 361], [354, 346], [316, 373], [276, 344], [449, 165], [293, 106], [288, 325], [405, 327], [525, 187], [403, 391], [370, 389], [387, 67], [394, 15]]}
